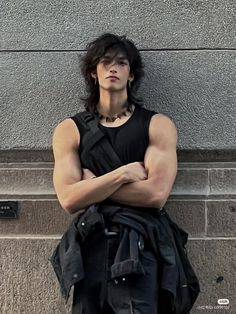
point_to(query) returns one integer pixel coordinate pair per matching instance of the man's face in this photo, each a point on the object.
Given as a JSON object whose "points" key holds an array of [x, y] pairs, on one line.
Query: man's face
{"points": [[117, 66]]}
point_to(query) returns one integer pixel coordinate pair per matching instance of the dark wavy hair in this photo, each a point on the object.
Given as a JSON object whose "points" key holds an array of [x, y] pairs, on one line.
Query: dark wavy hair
{"points": [[95, 51]]}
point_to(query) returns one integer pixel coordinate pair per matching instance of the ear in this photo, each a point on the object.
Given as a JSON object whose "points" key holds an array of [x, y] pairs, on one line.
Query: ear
{"points": [[93, 74], [131, 77]]}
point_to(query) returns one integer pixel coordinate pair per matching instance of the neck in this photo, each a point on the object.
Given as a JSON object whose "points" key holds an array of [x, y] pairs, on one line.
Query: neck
{"points": [[111, 103]]}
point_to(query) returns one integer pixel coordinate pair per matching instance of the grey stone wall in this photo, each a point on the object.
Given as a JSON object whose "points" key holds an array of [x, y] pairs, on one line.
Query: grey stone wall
{"points": [[202, 202], [188, 48]]}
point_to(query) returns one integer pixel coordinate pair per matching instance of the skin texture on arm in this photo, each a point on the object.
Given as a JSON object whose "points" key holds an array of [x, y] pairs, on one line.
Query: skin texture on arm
{"points": [[74, 193], [160, 161]]}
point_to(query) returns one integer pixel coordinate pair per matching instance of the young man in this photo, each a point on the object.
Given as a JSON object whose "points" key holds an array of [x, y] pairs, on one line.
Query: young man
{"points": [[146, 143], [151, 178]]}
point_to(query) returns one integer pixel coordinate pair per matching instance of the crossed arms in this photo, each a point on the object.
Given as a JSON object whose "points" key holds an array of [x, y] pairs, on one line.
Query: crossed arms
{"points": [[160, 162], [75, 192]]}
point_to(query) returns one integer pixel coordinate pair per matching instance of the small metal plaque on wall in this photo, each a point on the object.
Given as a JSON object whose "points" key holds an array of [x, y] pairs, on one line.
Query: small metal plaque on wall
{"points": [[9, 210]]}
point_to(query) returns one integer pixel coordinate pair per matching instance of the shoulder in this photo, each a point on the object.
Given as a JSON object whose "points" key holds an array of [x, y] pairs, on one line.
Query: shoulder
{"points": [[159, 120], [66, 125], [162, 128], [66, 129]]}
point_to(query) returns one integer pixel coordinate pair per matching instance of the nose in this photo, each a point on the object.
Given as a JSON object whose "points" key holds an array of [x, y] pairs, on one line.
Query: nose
{"points": [[113, 71], [112, 67]]}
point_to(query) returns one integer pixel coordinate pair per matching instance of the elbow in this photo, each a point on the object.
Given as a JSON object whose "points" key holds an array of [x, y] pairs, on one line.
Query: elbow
{"points": [[69, 207], [67, 201], [160, 199], [66, 206]]}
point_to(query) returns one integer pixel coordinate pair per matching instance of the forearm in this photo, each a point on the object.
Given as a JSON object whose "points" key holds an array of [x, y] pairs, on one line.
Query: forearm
{"points": [[139, 193], [86, 192]]}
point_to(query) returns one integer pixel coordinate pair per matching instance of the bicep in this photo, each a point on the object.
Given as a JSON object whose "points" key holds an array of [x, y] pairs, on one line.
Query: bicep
{"points": [[160, 158], [67, 167]]}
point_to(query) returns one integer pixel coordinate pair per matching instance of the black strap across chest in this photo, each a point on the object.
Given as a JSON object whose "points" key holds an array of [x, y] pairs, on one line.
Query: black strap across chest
{"points": [[93, 135]]}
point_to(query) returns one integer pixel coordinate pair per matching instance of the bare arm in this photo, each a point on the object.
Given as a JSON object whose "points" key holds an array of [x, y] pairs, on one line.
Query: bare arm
{"points": [[160, 161], [72, 192]]}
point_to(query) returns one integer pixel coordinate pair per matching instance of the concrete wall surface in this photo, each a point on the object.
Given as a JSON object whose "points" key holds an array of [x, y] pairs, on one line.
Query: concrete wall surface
{"points": [[195, 88], [188, 49]]}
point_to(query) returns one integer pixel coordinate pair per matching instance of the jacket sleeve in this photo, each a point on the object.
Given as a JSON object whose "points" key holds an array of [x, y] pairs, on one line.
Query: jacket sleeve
{"points": [[67, 260]]}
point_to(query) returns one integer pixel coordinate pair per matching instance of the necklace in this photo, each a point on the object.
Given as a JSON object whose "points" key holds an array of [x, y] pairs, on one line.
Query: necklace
{"points": [[116, 116]]}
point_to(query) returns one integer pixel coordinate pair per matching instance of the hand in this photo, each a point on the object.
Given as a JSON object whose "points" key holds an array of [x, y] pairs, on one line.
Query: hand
{"points": [[87, 174], [135, 171]]}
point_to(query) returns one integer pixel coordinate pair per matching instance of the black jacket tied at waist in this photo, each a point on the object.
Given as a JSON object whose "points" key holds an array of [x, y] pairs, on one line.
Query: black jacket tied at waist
{"points": [[137, 227]]}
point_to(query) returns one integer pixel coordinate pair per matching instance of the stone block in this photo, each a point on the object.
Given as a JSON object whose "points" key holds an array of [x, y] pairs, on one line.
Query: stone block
{"points": [[28, 283], [189, 215], [214, 263], [222, 181], [191, 182], [37, 217], [23, 181], [221, 218]]}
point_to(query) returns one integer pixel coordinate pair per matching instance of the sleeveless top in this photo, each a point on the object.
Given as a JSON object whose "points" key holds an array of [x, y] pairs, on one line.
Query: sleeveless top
{"points": [[130, 139]]}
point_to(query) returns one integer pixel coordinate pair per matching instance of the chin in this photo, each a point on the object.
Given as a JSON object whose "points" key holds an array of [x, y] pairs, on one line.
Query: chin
{"points": [[112, 88], [115, 87]]}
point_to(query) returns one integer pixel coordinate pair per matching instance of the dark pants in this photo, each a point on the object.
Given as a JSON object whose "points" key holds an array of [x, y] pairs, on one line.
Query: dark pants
{"points": [[97, 293]]}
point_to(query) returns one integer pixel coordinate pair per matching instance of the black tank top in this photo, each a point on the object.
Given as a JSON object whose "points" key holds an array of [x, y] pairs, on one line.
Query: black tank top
{"points": [[130, 139]]}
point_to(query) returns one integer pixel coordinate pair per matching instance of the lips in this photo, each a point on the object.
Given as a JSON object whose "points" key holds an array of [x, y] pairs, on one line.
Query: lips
{"points": [[115, 77]]}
